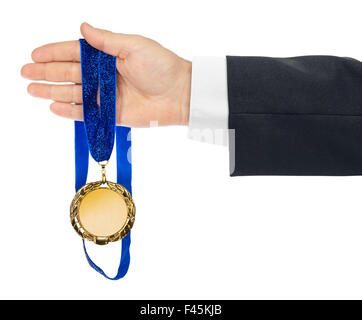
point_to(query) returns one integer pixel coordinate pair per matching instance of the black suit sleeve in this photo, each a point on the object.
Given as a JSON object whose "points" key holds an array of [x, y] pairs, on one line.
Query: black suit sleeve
{"points": [[295, 116]]}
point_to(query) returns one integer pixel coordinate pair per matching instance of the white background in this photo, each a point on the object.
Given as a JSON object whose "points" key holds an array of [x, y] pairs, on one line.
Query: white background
{"points": [[198, 232]]}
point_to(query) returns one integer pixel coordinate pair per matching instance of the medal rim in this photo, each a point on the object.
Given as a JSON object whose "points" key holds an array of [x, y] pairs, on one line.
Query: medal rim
{"points": [[81, 194]]}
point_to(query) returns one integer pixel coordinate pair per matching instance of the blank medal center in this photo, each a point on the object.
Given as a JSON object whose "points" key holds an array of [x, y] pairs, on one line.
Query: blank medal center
{"points": [[103, 212]]}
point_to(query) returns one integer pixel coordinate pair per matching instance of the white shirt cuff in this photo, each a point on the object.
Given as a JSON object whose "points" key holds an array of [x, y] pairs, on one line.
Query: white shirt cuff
{"points": [[209, 109]]}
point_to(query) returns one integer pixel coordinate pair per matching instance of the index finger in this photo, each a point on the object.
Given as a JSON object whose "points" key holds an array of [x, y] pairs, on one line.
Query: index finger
{"points": [[59, 51]]}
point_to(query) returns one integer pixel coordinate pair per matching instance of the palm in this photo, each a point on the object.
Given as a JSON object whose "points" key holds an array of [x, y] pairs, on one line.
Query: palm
{"points": [[149, 80]]}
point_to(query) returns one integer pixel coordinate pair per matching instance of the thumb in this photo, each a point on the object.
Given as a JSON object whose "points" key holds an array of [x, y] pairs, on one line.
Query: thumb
{"points": [[115, 44]]}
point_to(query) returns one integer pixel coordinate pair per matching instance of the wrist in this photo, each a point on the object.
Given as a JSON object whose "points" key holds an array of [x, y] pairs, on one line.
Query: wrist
{"points": [[185, 94]]}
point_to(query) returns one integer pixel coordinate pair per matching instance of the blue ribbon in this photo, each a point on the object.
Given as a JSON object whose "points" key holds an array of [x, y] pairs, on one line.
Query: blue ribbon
{"points": [[98, 70], [96, 133]]}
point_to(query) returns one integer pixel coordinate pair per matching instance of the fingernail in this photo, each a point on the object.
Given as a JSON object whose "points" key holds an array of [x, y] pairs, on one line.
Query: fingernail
{"points": [[87, 24], [30, 89]]}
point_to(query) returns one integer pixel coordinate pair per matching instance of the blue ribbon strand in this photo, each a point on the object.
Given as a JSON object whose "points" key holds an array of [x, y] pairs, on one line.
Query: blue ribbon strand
{"points": [[96, 133], [98, 72]]}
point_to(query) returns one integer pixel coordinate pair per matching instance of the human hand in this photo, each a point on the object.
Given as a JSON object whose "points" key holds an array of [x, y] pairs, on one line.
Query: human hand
{"points": [[153, 83]]}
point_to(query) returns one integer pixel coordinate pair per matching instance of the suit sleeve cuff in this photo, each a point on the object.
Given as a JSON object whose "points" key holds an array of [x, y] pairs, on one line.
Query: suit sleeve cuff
{"points": [[209, 110]]}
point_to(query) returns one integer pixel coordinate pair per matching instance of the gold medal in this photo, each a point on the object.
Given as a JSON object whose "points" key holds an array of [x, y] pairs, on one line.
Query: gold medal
{"points": [[102, 211]]}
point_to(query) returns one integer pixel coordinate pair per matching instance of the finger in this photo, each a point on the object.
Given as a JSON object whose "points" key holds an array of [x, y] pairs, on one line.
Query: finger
{"points": [[61, 93], [67, 110], [53, 71], [115, 44], [60, 51]]}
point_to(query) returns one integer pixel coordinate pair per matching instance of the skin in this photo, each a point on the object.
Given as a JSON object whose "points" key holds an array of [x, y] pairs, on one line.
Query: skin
{"points": [[153, 83]]}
